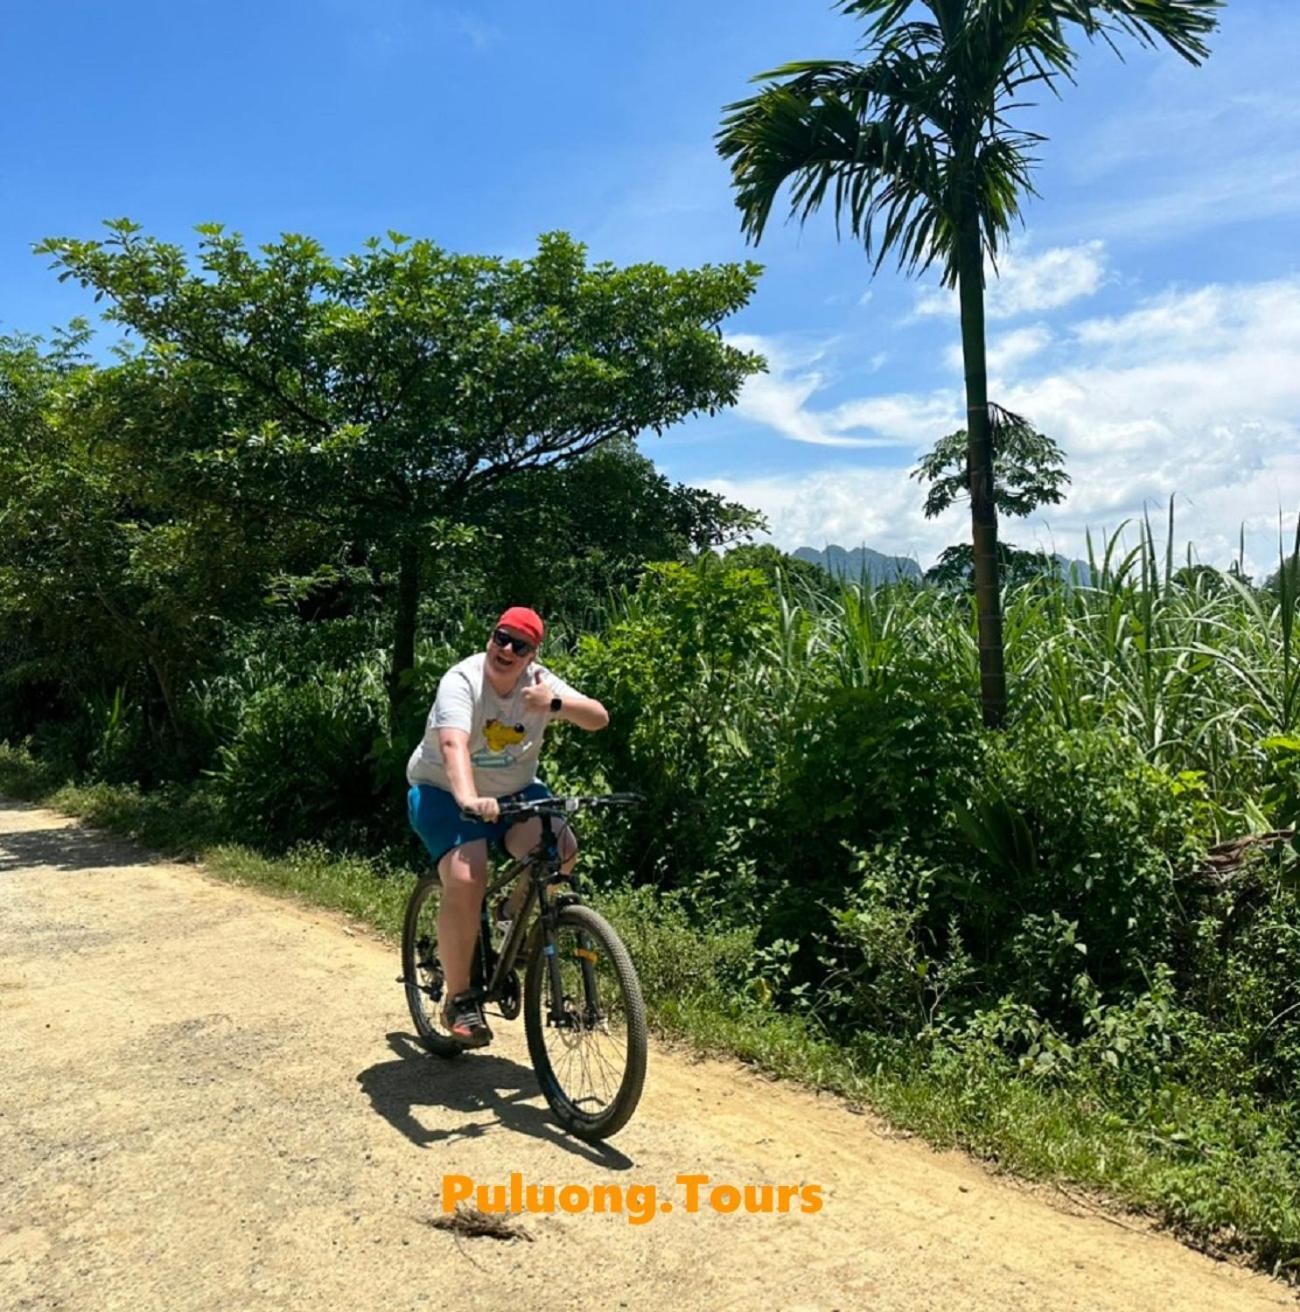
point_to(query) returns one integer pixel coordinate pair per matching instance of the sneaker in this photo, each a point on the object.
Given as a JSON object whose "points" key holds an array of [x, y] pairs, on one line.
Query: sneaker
{"points": [[463, 1019]]}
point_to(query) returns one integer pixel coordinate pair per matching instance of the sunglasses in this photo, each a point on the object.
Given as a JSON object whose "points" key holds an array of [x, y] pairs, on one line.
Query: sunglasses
{"points": [[517, 645]]}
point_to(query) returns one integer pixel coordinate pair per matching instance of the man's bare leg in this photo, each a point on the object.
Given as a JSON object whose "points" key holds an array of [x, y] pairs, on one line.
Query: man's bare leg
{"points": [[463, 872], [522, 838]]}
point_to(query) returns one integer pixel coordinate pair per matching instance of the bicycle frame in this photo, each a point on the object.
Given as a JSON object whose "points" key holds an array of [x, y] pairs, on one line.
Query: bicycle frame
{"points": [[543, 865]]}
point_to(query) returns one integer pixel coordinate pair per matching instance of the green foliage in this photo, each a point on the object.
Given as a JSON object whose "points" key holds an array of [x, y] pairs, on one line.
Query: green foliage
{"points": [[378, 397], [111, 575], [918, 153], [999, 938], [955, 568], [570, 538], [784, 572], [1028, 468], [1280, 799], [1240, 970], [903, 144], [115, 754], [674, 960], [881, 961], [676, 673], [1072, 843], [888, 759], [297, 766]]}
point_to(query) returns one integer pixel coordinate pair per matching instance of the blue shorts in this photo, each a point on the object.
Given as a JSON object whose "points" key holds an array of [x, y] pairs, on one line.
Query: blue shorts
{"points": [[437, 819]]}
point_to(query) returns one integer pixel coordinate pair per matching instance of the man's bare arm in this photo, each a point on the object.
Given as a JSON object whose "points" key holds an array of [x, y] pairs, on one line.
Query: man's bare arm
{"points": [[586, 712], [454, 745]]}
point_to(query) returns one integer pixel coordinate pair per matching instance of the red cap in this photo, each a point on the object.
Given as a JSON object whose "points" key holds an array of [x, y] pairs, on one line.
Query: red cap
{"points": [[525, 621]]}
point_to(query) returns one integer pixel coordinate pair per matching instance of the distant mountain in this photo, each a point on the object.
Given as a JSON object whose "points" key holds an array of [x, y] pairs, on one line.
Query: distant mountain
{"points": [[880, 568], [852, 565], [1080, 567]]}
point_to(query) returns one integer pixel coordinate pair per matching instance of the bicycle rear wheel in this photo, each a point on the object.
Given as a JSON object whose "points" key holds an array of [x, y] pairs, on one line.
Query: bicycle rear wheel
{"points": [[422, 969], [588, 1046]]}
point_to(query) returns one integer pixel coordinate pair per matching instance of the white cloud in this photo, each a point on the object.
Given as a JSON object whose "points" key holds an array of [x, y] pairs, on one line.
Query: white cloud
{"points": [[1029, 283], [1007, 351], [1193, 394], [934, 301], [778, 399], [878, 508], [907, 418], [1032, 283]]}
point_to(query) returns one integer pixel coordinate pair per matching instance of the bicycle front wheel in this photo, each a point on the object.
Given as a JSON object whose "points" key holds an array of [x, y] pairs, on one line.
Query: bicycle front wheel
{"points": [[587, 1039]]}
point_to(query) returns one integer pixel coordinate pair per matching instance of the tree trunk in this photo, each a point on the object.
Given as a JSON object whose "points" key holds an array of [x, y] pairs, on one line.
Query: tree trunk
{"points": [[161, 673], [979, 471], [408, 600]]}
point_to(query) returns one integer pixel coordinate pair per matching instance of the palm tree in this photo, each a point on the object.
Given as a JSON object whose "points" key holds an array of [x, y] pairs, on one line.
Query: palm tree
{"points": [[918, 155]]}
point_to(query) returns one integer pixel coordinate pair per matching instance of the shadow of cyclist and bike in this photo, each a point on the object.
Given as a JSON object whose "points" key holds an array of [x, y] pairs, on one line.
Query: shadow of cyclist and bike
{"points": [[473, 1086]]}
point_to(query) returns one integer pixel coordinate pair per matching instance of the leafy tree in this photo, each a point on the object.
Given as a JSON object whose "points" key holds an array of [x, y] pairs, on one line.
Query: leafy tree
{"points": [[104, 570], [565, 538], [381, 393], [777, 564], [33, 378], [1027, 473], [1028, 468], [956, 564], [916, 150]]}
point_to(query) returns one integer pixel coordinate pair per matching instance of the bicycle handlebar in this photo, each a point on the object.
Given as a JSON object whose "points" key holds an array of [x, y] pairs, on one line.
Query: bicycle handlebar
{"points": [[559, 806]]}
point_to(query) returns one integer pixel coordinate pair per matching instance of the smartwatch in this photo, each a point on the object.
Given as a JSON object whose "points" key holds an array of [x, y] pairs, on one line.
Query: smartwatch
{"points": [[556, 705]]}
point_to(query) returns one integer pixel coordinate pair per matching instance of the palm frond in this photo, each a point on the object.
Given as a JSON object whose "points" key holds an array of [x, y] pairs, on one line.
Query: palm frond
{"points": [[1003, 45], [920, 133], [880, 16], [1182, 25], [817, 133]]}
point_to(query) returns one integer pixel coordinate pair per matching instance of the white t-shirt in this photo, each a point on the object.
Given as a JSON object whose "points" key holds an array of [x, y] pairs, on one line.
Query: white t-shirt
{"points": [[504, 739]]}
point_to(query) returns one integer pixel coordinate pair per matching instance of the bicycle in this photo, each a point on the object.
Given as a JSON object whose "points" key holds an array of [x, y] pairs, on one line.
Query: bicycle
{"points": [[584, 1016]]}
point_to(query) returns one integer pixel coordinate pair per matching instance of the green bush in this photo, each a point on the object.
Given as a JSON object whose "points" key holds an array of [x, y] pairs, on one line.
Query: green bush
{"points": [[882, 964], [677, 959], [117, 740], [690, 722], [1066, 863], [298, 766], [885, 761], [1241, 971]]}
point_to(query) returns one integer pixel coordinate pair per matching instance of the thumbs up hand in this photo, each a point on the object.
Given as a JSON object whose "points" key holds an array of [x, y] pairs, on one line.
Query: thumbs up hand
{"points": [[537, 696]]}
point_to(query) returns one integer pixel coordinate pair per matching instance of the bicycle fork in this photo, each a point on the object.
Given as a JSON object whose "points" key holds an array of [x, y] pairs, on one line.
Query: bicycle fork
{"points": [[585, 1010]]}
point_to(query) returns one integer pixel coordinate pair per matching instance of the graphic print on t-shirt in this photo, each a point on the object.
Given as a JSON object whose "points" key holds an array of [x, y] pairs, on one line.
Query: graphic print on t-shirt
{"points": [[500, 738]]}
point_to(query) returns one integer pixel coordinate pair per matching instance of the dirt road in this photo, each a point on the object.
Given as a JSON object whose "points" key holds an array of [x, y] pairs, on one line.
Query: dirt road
{"points": [[210, 1099]]}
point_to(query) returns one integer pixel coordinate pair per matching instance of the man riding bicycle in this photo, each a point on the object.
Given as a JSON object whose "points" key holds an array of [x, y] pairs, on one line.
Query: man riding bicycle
{"points": [[480, 748]]}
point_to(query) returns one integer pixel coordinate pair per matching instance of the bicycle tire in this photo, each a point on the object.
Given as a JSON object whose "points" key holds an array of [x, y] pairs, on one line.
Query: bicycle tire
{"points": [[609, 1118], [422, 970]]}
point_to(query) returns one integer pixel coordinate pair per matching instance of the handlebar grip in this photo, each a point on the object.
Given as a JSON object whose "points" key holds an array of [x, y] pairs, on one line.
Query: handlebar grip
{"points": [[474, 815]]}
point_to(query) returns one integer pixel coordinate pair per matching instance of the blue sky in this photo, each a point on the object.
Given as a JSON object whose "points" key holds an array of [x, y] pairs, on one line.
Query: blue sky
{"points": [[1148, 315]]}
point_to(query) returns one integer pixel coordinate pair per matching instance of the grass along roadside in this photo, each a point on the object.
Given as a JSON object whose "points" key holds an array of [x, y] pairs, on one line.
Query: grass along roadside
{"points": [[1222, 1175]]}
